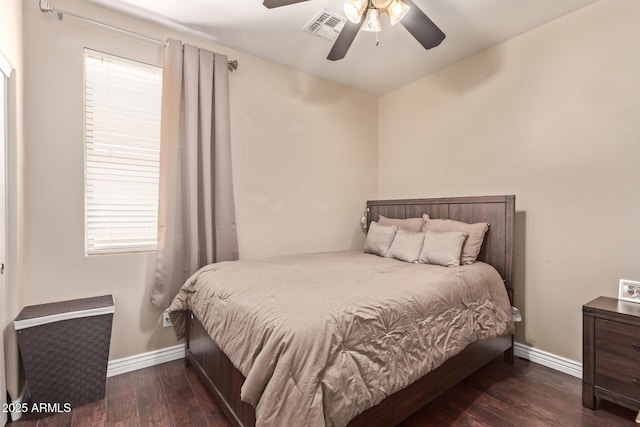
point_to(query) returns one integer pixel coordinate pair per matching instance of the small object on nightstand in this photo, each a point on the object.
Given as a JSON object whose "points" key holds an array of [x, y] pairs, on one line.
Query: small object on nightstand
{"points": [[610, 352], [629, 290], [515, 314]]}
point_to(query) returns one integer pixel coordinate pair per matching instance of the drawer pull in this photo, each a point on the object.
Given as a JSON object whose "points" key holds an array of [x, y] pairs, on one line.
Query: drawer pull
{"points": [[635, 381], [635, 345]]}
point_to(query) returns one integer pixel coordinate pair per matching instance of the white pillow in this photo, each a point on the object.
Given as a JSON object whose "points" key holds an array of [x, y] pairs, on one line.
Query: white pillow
{"points": [[475, 232], [442, 248], [379, 238], [406, 245]]}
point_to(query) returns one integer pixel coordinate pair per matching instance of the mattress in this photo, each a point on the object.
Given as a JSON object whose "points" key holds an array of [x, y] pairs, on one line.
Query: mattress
{"points": [[322, 337]]}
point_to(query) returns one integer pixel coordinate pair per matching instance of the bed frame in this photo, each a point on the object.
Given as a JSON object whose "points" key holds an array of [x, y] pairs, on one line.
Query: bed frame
{"points": [[225, 381]]}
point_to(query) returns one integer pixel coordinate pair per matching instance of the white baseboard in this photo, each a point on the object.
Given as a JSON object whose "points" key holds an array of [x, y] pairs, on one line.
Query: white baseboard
{"points": [[549, 360], [145, 360], [23, 398], [157, 357]]}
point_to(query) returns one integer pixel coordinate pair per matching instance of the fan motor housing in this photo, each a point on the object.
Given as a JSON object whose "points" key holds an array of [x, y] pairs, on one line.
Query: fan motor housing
{"points": [[381, 4]]}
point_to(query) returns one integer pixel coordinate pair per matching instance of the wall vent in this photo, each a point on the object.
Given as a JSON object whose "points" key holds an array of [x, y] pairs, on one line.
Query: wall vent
{"points": [[325, 24]]}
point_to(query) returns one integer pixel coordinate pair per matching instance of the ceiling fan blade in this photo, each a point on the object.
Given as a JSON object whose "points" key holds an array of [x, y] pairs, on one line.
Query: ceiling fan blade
{"points": [[421, 27], [344, 40], [270, 4]]}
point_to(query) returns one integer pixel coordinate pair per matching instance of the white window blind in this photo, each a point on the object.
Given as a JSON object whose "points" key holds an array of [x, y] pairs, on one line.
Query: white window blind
{"points": [[122, 153]]}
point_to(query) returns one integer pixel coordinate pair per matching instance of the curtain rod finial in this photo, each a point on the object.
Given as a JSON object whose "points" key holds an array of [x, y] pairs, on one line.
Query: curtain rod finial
{"points": [[233, 65], [45, 6]]}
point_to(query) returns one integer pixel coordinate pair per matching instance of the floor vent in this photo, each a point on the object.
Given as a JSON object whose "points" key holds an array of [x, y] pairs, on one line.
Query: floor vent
{"points": [[325, 24]]}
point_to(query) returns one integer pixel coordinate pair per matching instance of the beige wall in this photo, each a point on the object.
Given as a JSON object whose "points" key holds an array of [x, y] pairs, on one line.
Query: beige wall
{"points": [[304, 165], [549, 116], [552, 116], [305, 160], [11, 43]]}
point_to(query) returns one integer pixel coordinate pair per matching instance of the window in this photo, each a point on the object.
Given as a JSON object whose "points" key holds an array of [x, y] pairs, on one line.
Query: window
{"points": [[122, 153]]}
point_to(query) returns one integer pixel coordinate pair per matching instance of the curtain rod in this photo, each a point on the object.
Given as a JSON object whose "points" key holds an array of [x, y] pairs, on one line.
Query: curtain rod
{"points": [[47, 7]]}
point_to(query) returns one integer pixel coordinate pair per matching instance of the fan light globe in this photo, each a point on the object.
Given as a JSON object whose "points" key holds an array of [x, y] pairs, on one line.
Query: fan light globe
{"points": [[372, 21], [396, 11], [354, 10]]}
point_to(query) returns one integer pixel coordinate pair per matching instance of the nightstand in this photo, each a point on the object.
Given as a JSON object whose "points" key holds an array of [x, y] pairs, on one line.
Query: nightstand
{"points": [[610, 352]]}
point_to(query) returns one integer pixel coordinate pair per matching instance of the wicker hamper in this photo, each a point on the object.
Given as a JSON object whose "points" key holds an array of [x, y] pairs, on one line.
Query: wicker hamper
{"points": [[65, 350]]}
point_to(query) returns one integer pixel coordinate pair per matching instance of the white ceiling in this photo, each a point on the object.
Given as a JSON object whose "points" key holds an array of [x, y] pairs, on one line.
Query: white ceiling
{"points": [[275, 34]]}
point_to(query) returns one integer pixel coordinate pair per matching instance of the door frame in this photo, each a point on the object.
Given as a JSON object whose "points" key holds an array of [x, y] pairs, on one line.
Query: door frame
{"points": [[5, 74]]}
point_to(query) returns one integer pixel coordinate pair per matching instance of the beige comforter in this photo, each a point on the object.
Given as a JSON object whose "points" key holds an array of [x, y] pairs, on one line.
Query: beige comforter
{"points": [[322, 337]]}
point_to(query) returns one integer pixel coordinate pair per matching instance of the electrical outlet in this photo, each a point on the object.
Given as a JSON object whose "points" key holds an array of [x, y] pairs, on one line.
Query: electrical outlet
{"points": [[166, 321]]}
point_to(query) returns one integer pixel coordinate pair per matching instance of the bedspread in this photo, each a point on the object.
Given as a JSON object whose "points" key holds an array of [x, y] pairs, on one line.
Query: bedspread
{"points": [[322, 337]]}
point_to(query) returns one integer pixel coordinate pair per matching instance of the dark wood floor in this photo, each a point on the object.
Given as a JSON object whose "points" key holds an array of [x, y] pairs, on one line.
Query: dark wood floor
{"points": [[522, 394]]}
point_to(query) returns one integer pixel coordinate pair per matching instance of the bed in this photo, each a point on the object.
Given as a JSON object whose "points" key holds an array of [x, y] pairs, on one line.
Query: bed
{"points": [[409, 391]]}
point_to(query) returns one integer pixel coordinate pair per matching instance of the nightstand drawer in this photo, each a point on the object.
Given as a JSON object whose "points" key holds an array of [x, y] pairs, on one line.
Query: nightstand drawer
{"points": [[618, 341], [611, 377], [616, 357]]}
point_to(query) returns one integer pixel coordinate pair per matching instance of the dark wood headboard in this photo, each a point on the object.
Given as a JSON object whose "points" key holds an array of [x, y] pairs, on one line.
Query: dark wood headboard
{"points": [[498, 211]]}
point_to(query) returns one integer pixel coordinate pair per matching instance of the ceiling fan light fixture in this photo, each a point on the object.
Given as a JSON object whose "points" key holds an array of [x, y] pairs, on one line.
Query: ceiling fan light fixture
{"points": [[396, 11], [372, 21], [354, 10]]}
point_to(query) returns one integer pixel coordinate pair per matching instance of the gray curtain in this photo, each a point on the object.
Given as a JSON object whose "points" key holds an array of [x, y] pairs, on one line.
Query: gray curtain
{"points": [[196, 218]]}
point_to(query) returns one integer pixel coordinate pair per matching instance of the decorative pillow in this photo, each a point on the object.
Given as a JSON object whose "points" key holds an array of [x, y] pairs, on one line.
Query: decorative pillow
{"points": [[406, 245], [410, 224], [379, 238], [472, 245], [442, 248]]}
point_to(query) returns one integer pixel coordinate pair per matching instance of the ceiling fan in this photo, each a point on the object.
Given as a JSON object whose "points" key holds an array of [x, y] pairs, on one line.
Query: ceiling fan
{"points": [[405, 12]]}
